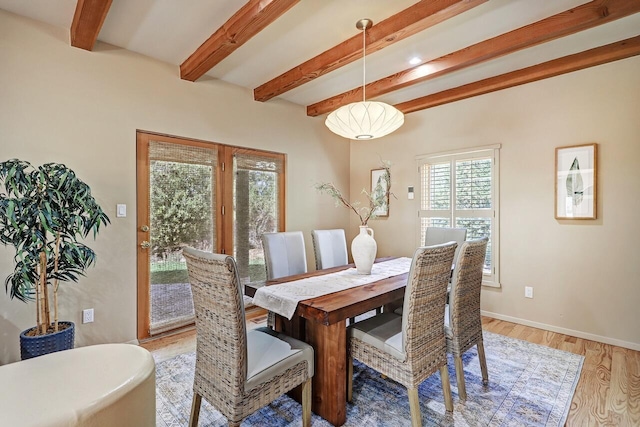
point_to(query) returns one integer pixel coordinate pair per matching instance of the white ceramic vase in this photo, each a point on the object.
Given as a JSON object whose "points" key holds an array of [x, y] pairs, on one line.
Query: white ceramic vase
{"points": [[363, 250]]}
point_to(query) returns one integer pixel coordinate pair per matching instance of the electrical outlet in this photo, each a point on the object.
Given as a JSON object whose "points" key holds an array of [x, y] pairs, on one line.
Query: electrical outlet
{"points": [[528, 292], [87, 315]]}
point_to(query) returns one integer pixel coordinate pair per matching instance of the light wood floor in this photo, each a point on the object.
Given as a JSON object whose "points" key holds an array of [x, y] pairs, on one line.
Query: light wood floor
{"points": [[608, 392]]}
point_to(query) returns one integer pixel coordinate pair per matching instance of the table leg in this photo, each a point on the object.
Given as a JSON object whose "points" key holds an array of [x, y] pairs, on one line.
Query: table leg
{"points": [[329, 386], [294, 327]]}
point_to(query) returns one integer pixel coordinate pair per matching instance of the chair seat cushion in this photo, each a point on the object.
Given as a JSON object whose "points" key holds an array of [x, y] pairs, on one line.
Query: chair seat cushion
{"points": [[383, 331], [270, 354]]}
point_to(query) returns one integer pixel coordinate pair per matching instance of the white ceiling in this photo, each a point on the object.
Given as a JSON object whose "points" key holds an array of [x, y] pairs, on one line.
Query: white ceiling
{"points": [[170, 30]]}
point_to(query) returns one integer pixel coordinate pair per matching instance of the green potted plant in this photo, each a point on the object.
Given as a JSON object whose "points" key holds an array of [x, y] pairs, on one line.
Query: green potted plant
{"points": [[44, 211]]}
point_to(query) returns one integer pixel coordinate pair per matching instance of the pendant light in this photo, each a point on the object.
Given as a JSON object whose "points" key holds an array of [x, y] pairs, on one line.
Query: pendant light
{"points": [[365, 119]]}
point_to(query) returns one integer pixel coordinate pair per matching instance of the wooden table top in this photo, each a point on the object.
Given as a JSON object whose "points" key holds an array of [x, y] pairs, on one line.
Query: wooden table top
{"points": [[338, 306]]}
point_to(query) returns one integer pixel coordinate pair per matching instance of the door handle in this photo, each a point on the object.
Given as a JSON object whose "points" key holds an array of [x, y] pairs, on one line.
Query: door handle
{"points": [[144, 228], [145, 245]]}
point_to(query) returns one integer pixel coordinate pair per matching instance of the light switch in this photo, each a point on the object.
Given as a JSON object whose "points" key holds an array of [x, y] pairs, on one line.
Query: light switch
{"points": [[410, 193], [121, 211]]}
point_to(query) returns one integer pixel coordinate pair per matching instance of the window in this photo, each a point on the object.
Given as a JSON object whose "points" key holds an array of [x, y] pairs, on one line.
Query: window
{"points": [[460, 189]]}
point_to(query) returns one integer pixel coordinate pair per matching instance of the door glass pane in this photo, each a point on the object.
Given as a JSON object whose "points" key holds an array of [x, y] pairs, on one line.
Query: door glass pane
{"points": [[255, 191], [182, 190]]}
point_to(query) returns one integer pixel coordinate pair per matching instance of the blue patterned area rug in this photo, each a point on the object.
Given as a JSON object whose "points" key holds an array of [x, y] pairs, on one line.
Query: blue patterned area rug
{"points": [[529, 385]]}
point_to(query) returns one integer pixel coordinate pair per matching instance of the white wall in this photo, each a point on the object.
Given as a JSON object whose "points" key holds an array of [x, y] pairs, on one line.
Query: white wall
{"points": [[585, 274], [62, 104]]}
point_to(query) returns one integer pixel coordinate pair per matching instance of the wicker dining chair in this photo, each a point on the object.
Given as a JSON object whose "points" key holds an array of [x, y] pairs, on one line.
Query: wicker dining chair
{"points": [[437, 236], [238, 372], [411, 347], [463, 325]]}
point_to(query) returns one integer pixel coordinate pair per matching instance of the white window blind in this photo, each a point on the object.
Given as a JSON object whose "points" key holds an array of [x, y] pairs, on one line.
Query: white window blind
{"points": [[257, 184], [460, 189]]}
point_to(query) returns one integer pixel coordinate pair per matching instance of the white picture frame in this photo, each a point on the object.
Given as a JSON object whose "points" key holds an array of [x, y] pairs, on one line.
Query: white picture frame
{"points": [[379, 176], [576, 182]]}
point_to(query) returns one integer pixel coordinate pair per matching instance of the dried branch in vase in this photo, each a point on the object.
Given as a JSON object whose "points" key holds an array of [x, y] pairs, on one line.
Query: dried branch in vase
{"points": [[377, 198]]}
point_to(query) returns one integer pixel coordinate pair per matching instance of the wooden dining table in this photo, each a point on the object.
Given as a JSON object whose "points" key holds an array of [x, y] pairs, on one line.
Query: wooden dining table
{"points": [[321, 322]]}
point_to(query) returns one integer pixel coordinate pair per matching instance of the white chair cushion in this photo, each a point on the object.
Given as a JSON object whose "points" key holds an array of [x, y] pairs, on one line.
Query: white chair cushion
{"points": [[284, 253], [330, 247], [439, 235], [270, 353], [383, 332]]}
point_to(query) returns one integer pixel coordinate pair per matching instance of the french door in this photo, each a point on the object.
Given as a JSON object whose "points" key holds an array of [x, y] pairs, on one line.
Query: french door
{"points": [[213, 197], [256, 195]]}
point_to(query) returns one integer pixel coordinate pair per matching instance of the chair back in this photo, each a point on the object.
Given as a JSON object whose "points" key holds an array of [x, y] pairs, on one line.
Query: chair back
{"points": [[330, 248], [424, 304], [284, 254], [439, 235], [464, 297], [220, 322]]}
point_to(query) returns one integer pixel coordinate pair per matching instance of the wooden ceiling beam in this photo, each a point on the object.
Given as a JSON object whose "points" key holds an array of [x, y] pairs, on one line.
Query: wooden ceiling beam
{"points": [[248, 21], [567, 64], [408, 22], [586, 16], [87, 22]]}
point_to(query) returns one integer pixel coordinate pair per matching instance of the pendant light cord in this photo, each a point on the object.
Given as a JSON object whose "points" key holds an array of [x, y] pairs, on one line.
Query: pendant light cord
{"points": [[364, 63], [364, 120]]}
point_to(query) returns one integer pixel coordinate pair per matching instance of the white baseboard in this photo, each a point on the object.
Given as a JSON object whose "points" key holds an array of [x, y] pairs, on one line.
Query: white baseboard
{"points": [[571, 332]]}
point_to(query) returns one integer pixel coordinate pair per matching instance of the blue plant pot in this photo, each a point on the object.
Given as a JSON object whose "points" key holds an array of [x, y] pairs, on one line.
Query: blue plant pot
{"points": [[45, 344]]}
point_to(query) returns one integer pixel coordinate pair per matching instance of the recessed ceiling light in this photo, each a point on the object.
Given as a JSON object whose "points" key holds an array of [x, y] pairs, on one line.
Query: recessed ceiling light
{"points": [[415, 60]]}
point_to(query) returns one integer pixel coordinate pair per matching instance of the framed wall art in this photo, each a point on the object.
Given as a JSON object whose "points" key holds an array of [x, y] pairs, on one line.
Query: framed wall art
{"points": [[379, 188], [575, 182]]}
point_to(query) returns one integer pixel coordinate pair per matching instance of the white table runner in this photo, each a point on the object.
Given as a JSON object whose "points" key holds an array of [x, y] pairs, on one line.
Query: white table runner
{"points": [[283, 298]]}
